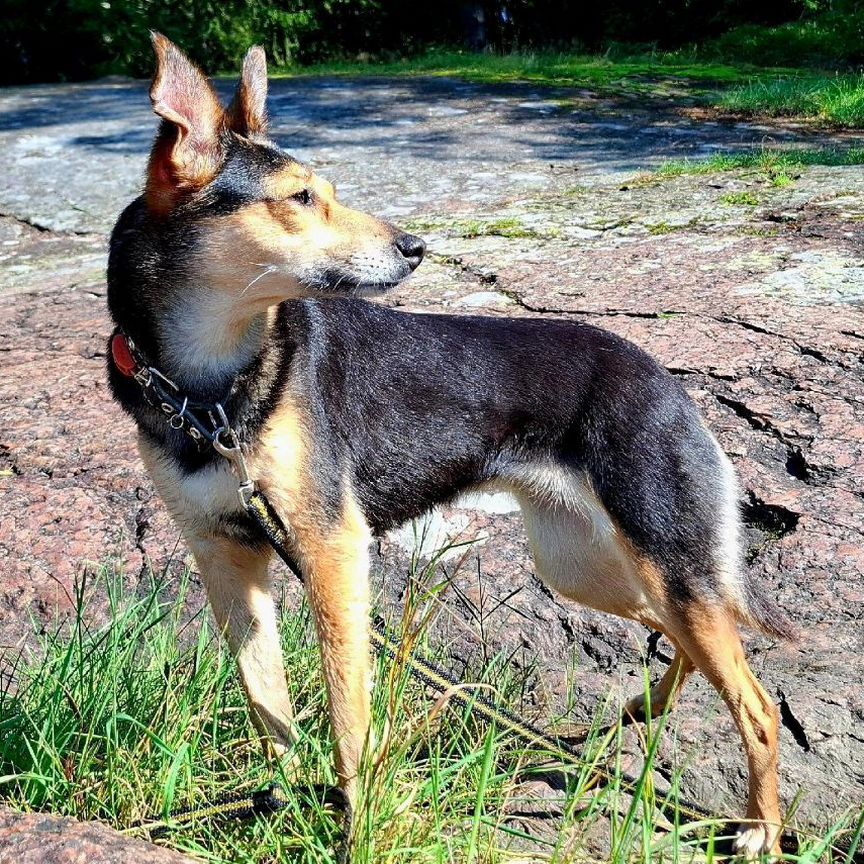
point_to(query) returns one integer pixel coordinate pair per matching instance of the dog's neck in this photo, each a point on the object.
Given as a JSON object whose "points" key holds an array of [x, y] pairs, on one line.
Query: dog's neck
{"points": [[207, 340]]}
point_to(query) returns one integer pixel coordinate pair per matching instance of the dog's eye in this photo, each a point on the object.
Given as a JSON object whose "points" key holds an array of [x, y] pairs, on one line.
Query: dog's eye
{"points": [[304, 197]]}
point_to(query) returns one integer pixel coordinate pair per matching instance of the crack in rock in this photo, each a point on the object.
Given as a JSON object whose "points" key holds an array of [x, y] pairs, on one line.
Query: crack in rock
{"points": [[773, 522], [30, 222], [519, 300], [805, 350], [796, 463], [792, 723]]}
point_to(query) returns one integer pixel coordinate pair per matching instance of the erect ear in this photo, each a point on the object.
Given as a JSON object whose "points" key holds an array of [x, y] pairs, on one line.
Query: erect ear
{"points": [[248, 111], [188, 150]]}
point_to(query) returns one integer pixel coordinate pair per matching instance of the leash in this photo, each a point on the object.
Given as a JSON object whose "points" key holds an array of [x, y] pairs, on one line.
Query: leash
{"points": [[207, 425], [239, 805]]}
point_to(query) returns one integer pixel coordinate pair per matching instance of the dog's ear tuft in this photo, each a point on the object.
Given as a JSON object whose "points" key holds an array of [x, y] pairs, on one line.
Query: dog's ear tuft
{"points": [[248, 111], [188, 150]]}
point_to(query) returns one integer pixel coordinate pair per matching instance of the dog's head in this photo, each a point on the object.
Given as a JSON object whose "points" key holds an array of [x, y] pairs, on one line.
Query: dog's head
{"points": [[264, 224]]}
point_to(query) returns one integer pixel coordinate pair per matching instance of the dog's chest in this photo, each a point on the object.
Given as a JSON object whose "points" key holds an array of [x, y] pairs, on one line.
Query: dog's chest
{"points": [[211, 493], [202, 502]]}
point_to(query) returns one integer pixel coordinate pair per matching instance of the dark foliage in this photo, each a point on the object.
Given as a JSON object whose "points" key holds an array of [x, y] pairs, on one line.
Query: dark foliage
{"points": [[69, 39]]}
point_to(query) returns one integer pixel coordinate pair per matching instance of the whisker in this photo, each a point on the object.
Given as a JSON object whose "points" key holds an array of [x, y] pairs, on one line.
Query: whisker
{"points": [[268, 268]]}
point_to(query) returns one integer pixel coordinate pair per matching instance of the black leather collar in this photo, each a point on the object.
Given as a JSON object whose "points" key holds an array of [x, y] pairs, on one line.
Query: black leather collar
{"points": [[203, 422]]}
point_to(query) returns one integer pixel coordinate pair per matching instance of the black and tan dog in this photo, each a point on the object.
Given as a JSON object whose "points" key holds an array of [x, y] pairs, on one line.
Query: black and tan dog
{"points": [[237, 273]]}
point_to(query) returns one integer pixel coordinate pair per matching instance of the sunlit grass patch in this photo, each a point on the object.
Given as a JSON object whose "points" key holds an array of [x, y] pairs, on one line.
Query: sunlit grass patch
{"points": [[773, 165], [835, 99], [746, 199], [612, 71], [509, 227], [470, 229], [705, 75]]}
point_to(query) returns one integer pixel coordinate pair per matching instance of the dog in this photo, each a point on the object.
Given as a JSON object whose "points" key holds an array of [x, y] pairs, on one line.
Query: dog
{"points": [[239, 275]]}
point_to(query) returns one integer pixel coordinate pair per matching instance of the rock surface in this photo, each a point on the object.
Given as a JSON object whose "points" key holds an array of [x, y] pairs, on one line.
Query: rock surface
{"points": [[36, 838], [531, 206]]}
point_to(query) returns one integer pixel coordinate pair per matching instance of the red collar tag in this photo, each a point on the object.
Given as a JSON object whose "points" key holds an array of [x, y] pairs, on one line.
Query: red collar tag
{"points": [[122, 356]]}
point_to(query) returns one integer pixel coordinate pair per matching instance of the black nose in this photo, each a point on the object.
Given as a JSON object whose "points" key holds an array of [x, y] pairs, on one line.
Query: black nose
{"points": [[412, 248]]}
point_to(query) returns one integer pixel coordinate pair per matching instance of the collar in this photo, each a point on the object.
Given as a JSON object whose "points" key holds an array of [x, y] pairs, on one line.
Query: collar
{"points": [[204, 422]]}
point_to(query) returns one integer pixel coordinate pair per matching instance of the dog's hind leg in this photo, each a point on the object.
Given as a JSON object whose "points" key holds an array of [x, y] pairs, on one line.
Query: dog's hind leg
{"points": [[664, 694], [709, 635], [238, 588], [581, 552]]}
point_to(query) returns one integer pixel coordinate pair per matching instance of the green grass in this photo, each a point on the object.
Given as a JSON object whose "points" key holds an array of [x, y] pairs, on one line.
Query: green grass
{"points": [[145, 715], [829, 40], [713, 75], [497, 228], [745, 199], [609, 72], [777, 167], [838, 100], [470, 229]]}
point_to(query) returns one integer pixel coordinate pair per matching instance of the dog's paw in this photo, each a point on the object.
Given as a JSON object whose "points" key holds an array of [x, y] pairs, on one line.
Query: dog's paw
{"points": [[635, 708], [756, 841]]}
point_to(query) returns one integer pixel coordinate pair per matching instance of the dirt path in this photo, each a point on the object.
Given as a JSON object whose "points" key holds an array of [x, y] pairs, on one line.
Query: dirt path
{"points": [[750, 293]]}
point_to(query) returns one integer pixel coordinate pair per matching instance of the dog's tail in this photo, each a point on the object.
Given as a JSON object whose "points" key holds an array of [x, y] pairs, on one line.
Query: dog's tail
{"points": [[759, 613], [751, 607]]}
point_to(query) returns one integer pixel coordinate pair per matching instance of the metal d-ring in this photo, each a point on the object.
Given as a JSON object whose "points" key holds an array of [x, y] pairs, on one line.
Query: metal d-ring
{"points": [[229, 452], [176, 421]]}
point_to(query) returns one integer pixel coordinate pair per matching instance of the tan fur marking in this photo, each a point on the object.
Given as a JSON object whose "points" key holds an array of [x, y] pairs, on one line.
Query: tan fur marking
{"points": [[296, 177], [237, 258], [290, 180], [650, 576], [665, 693], [255, 258], [335, 561], [189, 498], [238, 588], [711, 639], [280, 465], [338, 583]]}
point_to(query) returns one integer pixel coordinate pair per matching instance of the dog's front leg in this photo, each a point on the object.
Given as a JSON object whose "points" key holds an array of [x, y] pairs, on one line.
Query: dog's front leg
{"points": [[238, 588], [336, 568]]}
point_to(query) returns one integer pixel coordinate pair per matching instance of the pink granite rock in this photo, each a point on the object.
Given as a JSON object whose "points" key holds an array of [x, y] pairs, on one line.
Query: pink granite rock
{"points": [[36, 838]]}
